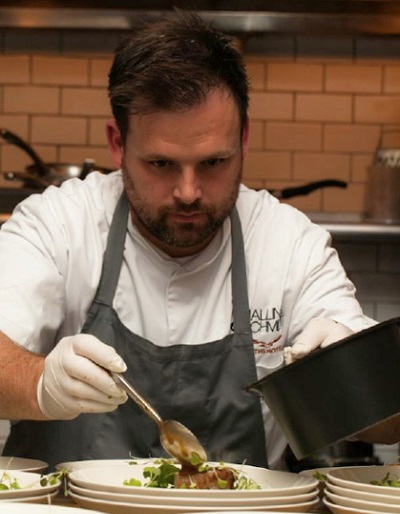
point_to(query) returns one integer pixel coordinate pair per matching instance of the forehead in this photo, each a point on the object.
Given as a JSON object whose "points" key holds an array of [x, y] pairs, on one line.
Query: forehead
{"points": [[214, 119]]}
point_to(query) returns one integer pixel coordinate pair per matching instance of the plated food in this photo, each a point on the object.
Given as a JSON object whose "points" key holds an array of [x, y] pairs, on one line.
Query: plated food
{"points": [[22, 484], [363, 489], [255, 481], [167, 473], [373, 479], [144, 487]]}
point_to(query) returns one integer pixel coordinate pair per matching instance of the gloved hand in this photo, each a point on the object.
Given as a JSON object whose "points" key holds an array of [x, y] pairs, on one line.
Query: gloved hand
{"points": [[318, 333], [75, 380]]}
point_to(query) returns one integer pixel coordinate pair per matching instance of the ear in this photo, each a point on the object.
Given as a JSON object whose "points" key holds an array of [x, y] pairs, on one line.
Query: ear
{"points": [[245, 137], [115, 144]]}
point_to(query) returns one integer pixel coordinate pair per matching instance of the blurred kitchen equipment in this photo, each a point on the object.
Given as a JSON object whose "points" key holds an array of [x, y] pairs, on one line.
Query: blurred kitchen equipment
{"points": [[338, 391], [177, 440], [41, 167], [343, 453], [305, 189], [26, 179], [382, 194], [42, 174]]}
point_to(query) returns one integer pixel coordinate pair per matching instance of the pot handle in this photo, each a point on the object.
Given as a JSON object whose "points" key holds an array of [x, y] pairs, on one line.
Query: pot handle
{"points": [[289, 192], [12, 138]]}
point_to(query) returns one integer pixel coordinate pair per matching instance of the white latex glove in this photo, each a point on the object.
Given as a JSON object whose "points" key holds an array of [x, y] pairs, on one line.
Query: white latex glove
{"points": [[318, 333], [74, 379]]}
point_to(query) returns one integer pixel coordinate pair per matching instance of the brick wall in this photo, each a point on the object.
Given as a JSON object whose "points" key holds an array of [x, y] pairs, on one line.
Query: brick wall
{"points": [[318, 105]]}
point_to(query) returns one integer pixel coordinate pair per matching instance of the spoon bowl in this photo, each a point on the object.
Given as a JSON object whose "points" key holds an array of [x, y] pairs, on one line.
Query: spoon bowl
{"points": [[176, 439], [180, 442]]}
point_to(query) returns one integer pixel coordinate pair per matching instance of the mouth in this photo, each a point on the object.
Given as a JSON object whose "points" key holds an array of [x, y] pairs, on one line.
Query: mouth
{"points": [[191, 217]]}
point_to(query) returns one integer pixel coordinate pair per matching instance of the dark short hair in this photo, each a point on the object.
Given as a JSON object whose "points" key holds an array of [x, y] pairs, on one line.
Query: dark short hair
{"points": [[172, 64]]}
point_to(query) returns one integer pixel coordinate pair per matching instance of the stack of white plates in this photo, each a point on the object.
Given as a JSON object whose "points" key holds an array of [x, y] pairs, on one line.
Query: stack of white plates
{"points": [[102, 487], [30, 490], [351, 490]]}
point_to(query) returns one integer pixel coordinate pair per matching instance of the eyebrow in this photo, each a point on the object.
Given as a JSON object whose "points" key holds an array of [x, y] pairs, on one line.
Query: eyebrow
{"points": [[217, 155]]}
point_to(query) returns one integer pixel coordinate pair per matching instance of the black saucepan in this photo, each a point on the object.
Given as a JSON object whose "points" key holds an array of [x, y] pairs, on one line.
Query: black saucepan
{"points": [[335, 392]]}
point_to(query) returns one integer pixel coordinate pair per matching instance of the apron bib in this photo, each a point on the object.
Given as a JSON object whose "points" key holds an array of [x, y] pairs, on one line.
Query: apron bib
{"points": [[202, 386]]}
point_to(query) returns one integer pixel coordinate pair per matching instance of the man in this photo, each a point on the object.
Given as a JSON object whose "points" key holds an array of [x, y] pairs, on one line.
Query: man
{"points": [[168, 270]]}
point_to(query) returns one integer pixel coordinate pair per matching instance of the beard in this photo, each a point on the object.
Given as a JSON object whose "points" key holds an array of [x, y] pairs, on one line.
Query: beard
{"points": [[185, 234]]}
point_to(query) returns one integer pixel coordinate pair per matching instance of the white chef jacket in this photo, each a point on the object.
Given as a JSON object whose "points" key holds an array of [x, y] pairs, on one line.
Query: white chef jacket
{"points": [[51, 254]]}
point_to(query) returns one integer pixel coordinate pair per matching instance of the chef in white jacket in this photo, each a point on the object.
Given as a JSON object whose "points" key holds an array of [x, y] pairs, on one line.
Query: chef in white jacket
{"points": [[168, 270]]}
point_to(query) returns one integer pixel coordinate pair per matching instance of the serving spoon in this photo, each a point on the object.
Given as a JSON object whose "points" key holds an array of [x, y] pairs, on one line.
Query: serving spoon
{"points": [[176, 439]]}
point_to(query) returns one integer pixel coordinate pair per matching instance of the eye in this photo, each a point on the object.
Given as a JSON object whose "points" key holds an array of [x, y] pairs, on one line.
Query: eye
{"points": [[161, 163], [212, 163]]}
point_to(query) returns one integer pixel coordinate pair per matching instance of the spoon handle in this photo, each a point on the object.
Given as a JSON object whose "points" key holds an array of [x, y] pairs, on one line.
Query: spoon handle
{"points": [[136, 397]]}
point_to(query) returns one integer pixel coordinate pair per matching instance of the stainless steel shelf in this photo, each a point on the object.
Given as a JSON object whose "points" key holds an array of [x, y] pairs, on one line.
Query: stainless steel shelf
{"points": [[380, 22], [353, 227]]}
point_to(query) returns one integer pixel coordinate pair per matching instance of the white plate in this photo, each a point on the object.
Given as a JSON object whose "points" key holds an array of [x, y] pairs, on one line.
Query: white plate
{"points": [[114, 507], [45, 498], [272, 483], [340, 509], [361, 495], [21, 464], [362, 504], [196, 501], [29, 483], [359, 478], [81, 464], [321, 483], [28, 508]]}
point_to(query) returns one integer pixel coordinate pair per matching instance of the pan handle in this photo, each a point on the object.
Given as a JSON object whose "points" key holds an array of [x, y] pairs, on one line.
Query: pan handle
{"points": [[12, 138], [289, 192]]}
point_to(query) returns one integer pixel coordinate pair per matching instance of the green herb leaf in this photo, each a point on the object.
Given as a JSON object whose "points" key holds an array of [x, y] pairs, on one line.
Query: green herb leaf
{"points": [[133, 482]]}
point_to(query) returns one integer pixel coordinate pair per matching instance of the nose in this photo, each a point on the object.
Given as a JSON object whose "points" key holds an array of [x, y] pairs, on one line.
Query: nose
{"points": [[187, 189]]}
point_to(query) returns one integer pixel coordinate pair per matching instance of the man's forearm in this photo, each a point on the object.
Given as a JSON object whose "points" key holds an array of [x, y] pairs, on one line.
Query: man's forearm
{"points": [[19, 374]]}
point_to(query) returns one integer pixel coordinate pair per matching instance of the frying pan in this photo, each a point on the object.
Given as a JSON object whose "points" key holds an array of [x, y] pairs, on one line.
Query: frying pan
{"points": [[41, 174], [336, 392]]}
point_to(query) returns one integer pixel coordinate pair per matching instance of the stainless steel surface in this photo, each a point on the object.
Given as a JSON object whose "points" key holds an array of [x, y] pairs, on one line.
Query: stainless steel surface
{"points": [[341, 17], [353, 226], [176, 439]]}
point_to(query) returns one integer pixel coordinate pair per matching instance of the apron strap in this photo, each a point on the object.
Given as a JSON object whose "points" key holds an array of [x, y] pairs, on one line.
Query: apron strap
{"points": [[113, 255], [241, 309]]}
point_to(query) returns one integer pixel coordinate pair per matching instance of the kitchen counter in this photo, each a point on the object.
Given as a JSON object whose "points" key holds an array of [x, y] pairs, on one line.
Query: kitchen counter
{"points": [[346, 227]]}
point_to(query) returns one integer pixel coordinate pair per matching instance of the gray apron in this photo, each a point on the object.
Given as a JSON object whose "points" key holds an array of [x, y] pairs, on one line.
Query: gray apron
{"points": [[200, 385]]}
